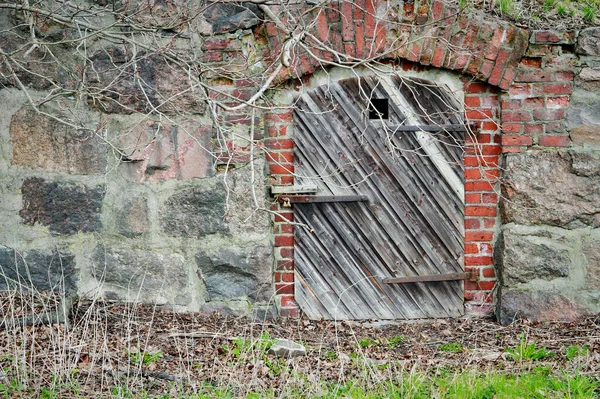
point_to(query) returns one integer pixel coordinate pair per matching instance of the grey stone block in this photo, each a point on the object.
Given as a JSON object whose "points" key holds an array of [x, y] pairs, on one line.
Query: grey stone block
{"points": [[195, 212], [556, 188], [521, 259], [51, 271], [65, 209], [234, 273], [536, 306]]}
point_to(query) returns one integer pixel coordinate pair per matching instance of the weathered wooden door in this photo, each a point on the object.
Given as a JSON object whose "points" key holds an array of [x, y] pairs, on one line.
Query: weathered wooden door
{"points": [[389, 200]]}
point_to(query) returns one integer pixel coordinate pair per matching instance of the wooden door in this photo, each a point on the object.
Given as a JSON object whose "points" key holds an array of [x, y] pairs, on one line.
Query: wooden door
{"points": [[409, 170]]}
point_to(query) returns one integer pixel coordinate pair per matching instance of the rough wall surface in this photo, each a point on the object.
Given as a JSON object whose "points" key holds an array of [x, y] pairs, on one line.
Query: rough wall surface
{"points": [[547, 254], [160, 200]]}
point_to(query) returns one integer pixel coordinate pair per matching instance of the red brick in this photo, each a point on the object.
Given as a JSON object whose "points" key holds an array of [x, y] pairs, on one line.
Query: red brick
{"points": [[488, 272], [333, 11], [284, 241], [491, 173], [380, 33], [489, 223], [531, 62], [291, 312], [489, 126], [494, 44], [285, 264], [517, 140], [359, 9], [288, 301], [472, 224], [279, 144], [471, 248], [287, 277], [286, 156], [533, 75], [360, 40], [472, 160], [475, 87], [281, 169], [284, 288], [512, 127], [284, 228], [474, 236], [489, 198], [217, 44], [506, 150], [478, 260], [284, 217], [512, 104], [480, 211], [483, 113], [470, 285], [286, 253], [479, 186], [520, 91], [564, 76], [553, 141], [546, 37], [501, 60], [279, 117], [486, 69], [472, 198], [516, 116], [557, 102], [370, 19], [286, 179], [534, 102], [472, 174], [486, 285], [533, 128], [347, 23], [322, 26], [553, 88], [472, 101], [490, 150], [548, 114]]}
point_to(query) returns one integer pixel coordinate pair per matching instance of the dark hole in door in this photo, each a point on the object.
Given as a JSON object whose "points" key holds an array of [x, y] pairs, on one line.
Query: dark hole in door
{"points": [[378, 108]]}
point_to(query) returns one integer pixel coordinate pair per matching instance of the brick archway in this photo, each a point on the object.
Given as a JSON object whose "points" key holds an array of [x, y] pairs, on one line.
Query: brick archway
{"points": [[486, 53]]}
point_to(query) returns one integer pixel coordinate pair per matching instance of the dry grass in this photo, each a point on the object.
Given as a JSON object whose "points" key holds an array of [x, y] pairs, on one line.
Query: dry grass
{"points": [[114, 349]]}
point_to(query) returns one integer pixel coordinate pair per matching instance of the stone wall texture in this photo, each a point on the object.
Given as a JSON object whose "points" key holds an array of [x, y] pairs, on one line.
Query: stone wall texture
{"points": [[164, 199]]}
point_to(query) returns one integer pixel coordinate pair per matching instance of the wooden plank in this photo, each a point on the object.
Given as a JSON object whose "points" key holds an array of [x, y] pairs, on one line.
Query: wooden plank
{"points": [[295, 189], [428, 278], [427, 128], [307, 199]]}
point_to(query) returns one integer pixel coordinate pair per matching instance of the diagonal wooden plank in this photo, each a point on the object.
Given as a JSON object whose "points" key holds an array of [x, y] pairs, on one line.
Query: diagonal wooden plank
{"points": [[342, 145]]}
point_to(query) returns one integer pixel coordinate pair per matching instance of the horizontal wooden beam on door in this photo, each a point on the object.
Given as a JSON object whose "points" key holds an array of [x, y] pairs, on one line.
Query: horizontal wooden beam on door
{"points": [[429, 278], [309, 199], [428, 128]]}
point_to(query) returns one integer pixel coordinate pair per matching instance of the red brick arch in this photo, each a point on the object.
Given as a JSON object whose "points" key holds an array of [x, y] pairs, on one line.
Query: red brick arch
{"points": [[432, 34]]}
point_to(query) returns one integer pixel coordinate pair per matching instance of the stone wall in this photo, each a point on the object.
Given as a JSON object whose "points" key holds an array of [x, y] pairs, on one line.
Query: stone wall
{"points": [[164, 200], [547, 253]]}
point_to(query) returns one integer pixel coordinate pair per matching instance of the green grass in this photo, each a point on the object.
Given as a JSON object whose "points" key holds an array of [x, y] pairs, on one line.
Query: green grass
{"points": [[589, 12], [365, 343], [506, 7], [396, 341], [452, 347], [540, 383], [527, 351], [575, 351]]}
